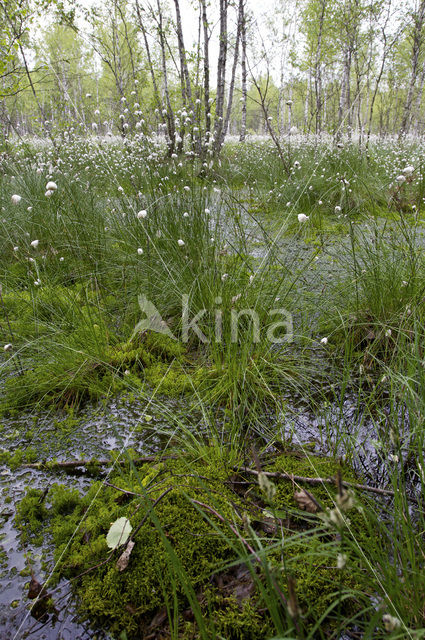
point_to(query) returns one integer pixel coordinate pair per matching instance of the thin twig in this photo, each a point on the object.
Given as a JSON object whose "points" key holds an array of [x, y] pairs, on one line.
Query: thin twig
{"points": [[151, 508], [318, 481]]}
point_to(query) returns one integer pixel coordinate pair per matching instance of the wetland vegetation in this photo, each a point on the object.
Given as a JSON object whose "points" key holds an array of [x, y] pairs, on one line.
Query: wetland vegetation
{"points": [[212, 390]]}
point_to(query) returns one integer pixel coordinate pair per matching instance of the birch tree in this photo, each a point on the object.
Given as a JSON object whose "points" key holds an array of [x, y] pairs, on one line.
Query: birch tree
{"points": [[221, 76], [417, 36]]}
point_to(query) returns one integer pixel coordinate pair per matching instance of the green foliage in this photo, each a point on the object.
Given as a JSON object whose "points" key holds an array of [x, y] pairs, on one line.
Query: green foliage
{"points": [[30, 515], [203, 544]]}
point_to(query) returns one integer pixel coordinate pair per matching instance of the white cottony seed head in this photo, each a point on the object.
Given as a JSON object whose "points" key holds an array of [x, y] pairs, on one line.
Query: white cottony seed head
{"points": [[391, 623], [341, 560]]}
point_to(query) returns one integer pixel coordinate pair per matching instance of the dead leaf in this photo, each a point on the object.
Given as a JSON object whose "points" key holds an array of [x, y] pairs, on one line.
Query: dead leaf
{"points": [[43, 605], [237, 583], [305, 501], [158, 619], [131, 608], [244, 590], [122, 562], [292, 605], [34, 588]]}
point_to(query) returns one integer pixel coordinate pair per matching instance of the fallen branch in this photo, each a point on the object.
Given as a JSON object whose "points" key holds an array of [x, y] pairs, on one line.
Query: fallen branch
{"points": [[317, 481], [74, 464]]}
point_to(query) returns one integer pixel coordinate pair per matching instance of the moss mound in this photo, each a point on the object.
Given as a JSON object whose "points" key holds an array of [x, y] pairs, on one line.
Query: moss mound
{"points": [[192, 569], [85, 366]]}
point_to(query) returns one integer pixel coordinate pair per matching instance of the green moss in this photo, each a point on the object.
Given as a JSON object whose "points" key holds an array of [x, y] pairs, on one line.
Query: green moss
{"points": [[31, 514], [87, 366], [174, 379], [307, 467], [159, 360], [16, 458], [202, 544]]}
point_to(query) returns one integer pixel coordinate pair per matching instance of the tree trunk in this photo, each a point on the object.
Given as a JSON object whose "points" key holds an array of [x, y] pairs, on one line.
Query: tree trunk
{"points": [[149, 57], [244, 70], [221, 76], [344, 97], [418, 41], [233, 76], [170, 115], [419, 98], [186, 87], [318, 68], [207, 106]]}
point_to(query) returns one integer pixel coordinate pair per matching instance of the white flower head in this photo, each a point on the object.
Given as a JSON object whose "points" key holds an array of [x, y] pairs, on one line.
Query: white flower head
{"points": [[324, 341], [35, 243], [338, 209], [142, 214], [401, 179], [391, 623], [341, 560], [49, 193], [140, 251], [51, 186], [180, 242], [8, 347], [302, 217], [16, 199], [408, 170]]}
